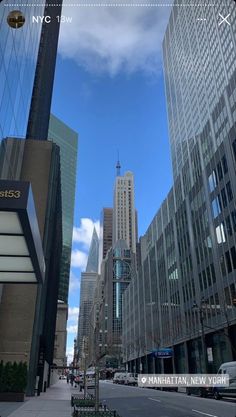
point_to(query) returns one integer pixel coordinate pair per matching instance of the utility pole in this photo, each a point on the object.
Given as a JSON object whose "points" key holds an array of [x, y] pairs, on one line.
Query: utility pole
{"points": [[97, 388]]}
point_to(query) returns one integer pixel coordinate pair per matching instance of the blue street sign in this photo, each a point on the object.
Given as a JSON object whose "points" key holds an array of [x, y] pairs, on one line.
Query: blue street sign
{"points": [[163, 353]]}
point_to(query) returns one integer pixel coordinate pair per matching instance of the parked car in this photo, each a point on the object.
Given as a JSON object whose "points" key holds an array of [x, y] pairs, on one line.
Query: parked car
{"points": [[117, 377], [230, 391], [131, 379]]}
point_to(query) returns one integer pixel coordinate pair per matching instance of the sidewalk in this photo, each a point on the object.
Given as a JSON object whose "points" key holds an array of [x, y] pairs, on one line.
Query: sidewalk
{"points": [[55, 402]]}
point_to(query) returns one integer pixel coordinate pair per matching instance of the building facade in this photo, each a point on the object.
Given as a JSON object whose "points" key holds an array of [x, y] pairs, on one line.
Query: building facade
{"points": [[17, 74], [87, 291], [27, 64], [118, 270], [93, 256], [186, 285], [124, 215], [67, 140], [106, 231], [199, 62]]}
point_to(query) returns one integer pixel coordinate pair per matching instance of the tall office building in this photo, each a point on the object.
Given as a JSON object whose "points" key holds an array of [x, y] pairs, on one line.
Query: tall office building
{"points": [[186, 286], [17, 47], [87, 290], [199, 62], [40, 108], [67, 140], [106, 231], [124, 216], [27, 63], [93, 257]]}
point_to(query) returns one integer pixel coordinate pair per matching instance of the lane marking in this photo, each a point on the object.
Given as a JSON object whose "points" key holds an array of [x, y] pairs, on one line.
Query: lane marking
{"points": [[205, 414], [153, 399]]}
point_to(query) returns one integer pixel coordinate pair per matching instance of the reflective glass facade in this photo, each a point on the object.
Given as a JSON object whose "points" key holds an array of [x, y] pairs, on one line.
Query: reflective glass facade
{"points": [[67, 140], [18, 56], [189, 249], [199, 60]]}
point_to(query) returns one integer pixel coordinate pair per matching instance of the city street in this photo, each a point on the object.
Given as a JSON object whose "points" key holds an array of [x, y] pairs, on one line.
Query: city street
{"points": [[143, 402]]}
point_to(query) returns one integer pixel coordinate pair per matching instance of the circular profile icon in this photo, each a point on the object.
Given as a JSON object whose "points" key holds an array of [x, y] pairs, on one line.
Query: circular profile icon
{"points": [[16, 19]]}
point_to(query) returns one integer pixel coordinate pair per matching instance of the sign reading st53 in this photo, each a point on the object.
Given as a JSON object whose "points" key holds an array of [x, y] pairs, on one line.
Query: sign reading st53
{"points": [[10, 194]]}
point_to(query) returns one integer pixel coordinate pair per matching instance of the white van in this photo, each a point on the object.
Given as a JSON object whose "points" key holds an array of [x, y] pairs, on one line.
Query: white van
{"points": [[230, 391]]}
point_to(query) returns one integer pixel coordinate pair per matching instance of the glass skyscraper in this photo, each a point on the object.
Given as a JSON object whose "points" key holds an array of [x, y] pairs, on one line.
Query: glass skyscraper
{"points": [[89, 281], [67, 140], [187, 279], [199, 53], [18, 59]]}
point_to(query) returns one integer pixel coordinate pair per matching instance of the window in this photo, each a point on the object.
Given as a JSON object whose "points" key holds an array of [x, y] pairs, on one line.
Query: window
{"points": [[222, 265], [228, 226], [229, 191], [233, 217], [228, 262], [213, 274], [216, 207], [212, 181], [220, 171], [224, 164], [233, 256], [234, 148], [224, 198], [220, 234]]}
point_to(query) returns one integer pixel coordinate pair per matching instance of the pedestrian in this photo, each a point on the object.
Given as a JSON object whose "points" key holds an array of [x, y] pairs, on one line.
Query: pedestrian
{"points": [[72, 377]]}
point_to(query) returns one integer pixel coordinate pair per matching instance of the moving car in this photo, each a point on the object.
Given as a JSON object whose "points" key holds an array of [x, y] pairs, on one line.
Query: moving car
{"points": [[230, 391]]}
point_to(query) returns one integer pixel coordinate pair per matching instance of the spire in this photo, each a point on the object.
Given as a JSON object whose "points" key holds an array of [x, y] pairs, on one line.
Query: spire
{"points": [[118, 166]]}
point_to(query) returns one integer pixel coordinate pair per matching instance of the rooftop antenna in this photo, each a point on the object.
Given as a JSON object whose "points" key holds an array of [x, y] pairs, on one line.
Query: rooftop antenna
{"points": [[118, 165]]}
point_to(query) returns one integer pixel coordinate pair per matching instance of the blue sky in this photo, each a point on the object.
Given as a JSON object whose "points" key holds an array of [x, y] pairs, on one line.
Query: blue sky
{"points": [[109, 87]]}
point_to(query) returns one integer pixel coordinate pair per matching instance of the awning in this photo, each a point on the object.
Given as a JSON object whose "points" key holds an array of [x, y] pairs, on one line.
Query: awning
{"points": [[21, 253]]}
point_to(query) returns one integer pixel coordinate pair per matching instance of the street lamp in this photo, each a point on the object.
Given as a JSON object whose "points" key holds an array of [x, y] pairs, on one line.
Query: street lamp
{"points": [[200, 310]]}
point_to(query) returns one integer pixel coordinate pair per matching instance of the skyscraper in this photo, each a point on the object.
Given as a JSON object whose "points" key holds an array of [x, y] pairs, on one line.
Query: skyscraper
{"points": [[106, 231], [93, 257], [124, 216], [199, 62], [67, 140], [27, 64], [186, 285], [87, 290], [44, 75], [16, 78]]}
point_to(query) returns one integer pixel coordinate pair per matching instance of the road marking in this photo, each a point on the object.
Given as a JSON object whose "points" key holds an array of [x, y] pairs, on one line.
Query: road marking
{"points": [[205, 414], [153, 399]]}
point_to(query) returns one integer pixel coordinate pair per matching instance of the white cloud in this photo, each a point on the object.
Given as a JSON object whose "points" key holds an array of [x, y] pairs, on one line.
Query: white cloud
{"points": [[73, 314], [78, 259], [72, 329], [74, 282], [114, 39], [83, 233]]}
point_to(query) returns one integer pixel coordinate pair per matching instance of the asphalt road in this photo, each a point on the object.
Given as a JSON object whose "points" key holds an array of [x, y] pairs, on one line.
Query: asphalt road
{"points": [[144, 402]]}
